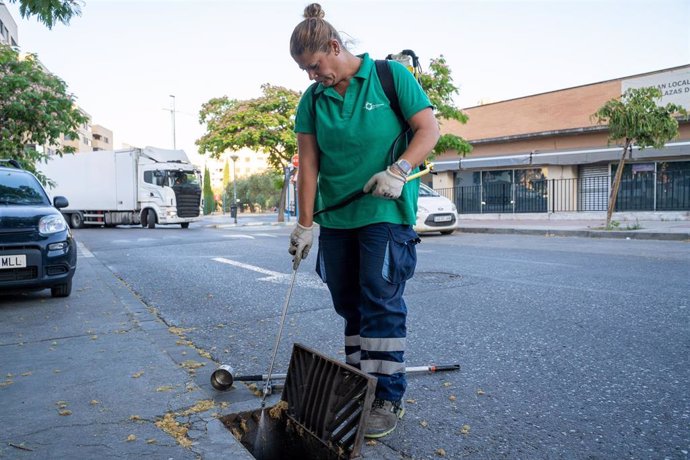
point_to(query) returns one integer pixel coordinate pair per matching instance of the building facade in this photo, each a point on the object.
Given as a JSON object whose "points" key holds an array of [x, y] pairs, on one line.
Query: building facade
{"points": [[248, 163], [101, 138], [8, 27], [544, 153]]}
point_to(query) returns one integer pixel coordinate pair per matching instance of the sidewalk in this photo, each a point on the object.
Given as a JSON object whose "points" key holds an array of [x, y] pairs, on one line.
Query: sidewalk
{"points": [[643, 225], [93, 374], [674, 230]]}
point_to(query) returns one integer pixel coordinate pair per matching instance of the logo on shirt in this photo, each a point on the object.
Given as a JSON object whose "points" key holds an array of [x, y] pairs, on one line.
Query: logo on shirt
{"points": [[370, 106]]}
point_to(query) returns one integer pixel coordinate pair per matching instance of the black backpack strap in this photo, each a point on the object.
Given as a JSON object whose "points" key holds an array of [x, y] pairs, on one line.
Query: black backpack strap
{"points": [[314, 97], [386, 78]]}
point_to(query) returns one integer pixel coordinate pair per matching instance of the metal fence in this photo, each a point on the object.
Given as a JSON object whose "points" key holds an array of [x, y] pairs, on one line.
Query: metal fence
{"points": [[669, 191]]}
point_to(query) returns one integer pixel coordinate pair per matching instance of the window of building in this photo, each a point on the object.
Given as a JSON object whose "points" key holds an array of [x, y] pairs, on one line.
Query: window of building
{"points": [[654, 186]]}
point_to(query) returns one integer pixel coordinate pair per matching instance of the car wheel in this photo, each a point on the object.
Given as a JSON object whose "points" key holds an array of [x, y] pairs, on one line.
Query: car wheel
{"points": [[62, 290], [76, 220], [151, 219], [184, 225], [447, 232]]}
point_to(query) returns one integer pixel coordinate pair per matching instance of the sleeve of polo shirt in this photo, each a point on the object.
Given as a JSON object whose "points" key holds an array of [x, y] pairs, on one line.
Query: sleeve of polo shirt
{"points": [[411, 96], [304, 118]]}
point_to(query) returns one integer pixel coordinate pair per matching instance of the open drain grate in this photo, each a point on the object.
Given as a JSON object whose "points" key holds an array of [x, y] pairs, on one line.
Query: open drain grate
{"points": [[328, 398], [322, 414]]}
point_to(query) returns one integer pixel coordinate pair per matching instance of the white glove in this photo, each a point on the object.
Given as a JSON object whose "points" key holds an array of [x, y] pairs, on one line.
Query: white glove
{"points": [[386, 184], [301, 240]]}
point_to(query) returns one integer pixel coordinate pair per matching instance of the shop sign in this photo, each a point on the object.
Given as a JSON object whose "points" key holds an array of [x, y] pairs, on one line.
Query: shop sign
{"points": [[674, 85]]}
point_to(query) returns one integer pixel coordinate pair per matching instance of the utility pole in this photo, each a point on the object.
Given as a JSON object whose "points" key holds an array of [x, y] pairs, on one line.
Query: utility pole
{"points": [[172, 115]]}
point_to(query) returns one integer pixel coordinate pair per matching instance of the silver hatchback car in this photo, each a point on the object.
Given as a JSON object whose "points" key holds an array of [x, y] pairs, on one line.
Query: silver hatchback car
{"points": [[435, 213]]}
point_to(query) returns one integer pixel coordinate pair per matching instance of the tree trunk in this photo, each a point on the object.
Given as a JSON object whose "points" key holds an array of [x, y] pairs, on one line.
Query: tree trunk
{"points": [[281, 203], [613, 196]]}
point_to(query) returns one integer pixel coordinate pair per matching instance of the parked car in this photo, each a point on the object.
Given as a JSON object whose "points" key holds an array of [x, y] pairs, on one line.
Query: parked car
{"points": [[435, 213], [37, 250]]}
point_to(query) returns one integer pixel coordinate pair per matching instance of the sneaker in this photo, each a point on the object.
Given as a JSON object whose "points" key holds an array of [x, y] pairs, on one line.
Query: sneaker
{"points": [[383, 418]]}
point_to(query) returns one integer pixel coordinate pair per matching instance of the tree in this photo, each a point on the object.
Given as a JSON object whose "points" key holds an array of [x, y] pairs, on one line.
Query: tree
{"points": [[438, 85], [49, 12], [264, 124], [35, 109], [637, 118], [209, 199], [258, 189], [226, 174]]}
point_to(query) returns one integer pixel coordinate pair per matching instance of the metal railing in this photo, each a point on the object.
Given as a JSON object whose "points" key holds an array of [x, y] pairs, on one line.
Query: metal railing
{"points": [[668, 191]]}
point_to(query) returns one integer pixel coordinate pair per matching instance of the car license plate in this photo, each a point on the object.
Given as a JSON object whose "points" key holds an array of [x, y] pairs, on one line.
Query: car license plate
{"points": [[443, 218], [15, 261]]}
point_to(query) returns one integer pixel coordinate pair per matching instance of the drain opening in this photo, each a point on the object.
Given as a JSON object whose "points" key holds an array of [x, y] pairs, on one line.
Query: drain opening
{"points": [[322, 413]]}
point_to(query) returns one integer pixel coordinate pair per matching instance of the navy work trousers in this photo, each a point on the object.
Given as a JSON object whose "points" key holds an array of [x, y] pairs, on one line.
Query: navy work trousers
{"points": [[365, 270]]}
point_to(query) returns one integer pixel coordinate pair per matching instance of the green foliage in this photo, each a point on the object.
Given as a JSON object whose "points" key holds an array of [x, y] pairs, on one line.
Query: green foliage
{"points": [[258, 189], [637, 117], [438, 84], [209, 199], [35, 109], [49, 12], [264, 124]]}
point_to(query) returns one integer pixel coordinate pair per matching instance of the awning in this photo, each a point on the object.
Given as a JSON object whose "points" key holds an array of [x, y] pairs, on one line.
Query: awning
{"points": [[441, 166], [579, 157], [494, 162], [671, 150], [573, 157]]}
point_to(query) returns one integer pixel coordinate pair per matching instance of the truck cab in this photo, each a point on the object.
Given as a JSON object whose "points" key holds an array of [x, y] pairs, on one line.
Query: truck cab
{"points": [[169, 193]]}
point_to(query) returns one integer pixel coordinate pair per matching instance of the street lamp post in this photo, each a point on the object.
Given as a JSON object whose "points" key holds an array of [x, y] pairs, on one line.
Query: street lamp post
{"points": [[234, 186]]}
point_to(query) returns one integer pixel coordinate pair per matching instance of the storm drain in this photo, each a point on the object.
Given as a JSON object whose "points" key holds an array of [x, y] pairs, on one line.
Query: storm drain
{"points": [[437, 277], [321, 415]]}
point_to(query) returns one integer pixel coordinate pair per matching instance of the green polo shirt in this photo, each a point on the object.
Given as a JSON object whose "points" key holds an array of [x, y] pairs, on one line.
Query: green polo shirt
{"points": [[355, 133]]}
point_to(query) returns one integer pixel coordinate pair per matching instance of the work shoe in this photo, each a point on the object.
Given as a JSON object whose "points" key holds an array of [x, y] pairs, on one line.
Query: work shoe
{"points": [[383, 418]]}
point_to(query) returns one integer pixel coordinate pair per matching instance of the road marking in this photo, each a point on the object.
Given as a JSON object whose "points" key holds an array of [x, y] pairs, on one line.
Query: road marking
{"points": [[82, 251], [248, 267], [311, 281], [266, 234], [239, 236]]}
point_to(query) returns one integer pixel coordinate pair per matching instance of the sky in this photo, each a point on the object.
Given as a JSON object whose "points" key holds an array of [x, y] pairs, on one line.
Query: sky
{"points": [[124, 59]]}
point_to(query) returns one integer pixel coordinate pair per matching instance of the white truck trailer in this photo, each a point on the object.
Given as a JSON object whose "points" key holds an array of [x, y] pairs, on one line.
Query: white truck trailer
{"points": [[133, 186]]}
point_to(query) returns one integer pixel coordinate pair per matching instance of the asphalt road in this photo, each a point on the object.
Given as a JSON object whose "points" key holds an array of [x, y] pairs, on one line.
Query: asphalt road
{"points": [[569, 347]]}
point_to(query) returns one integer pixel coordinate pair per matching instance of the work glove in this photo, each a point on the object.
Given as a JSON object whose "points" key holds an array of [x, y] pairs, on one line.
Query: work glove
{"points": [[386, 184], [301, 240]]}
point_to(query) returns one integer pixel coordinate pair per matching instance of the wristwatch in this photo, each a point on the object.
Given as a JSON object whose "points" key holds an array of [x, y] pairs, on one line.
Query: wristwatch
{"points": [[404, 166]]}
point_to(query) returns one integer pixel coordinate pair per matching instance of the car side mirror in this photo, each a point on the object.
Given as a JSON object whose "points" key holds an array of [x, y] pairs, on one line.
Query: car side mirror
{"points": [[60, 202]]}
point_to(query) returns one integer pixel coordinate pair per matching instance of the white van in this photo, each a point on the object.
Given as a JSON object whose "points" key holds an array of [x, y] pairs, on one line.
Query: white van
{"points": [[435, 213]]}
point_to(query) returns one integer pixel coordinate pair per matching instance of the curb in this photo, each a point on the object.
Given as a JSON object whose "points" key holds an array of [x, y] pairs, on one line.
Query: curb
{"points": [[580, 233]]}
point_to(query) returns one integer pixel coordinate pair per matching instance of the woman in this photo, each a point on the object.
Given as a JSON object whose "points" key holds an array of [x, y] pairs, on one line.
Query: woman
{"points": [[345, 130]]}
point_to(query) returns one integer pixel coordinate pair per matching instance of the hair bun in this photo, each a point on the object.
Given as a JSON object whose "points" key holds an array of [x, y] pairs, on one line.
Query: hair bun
{"points": [[314, 11]]}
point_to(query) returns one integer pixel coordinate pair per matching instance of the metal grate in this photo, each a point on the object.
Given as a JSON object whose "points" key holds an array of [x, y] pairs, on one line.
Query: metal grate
{"points": [[329, 399], [188, 199]]}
